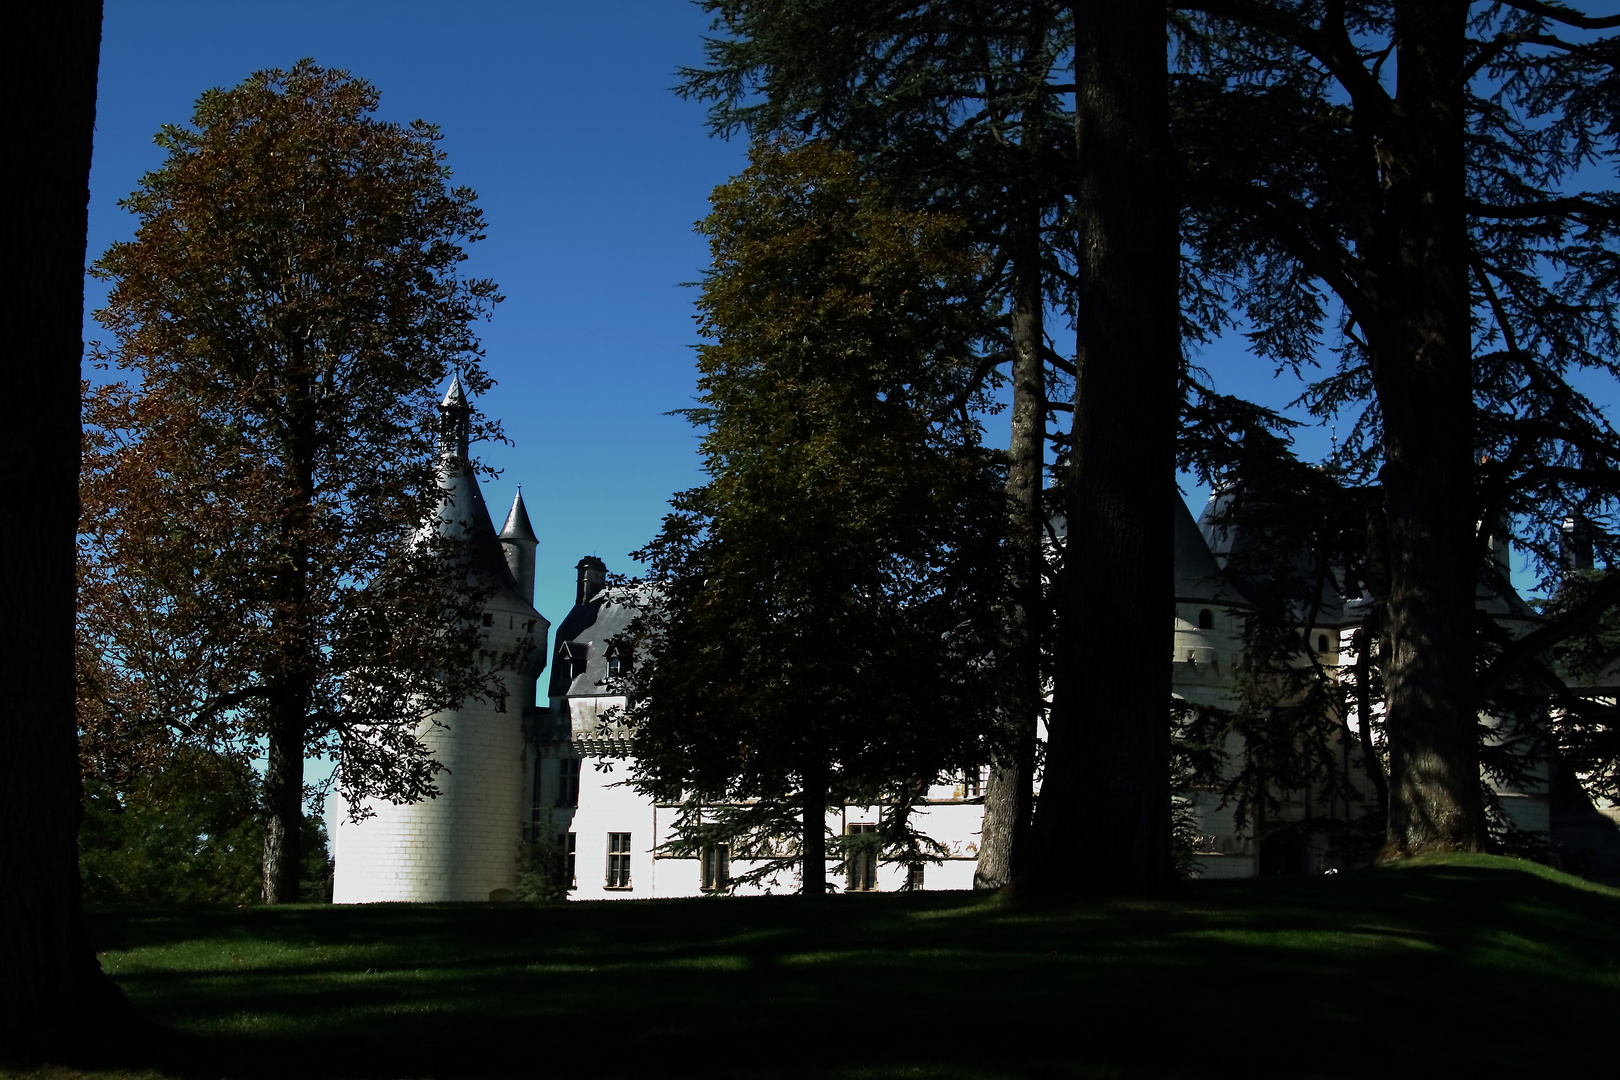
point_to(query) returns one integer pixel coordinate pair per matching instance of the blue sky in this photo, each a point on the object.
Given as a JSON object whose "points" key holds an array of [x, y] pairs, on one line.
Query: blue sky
{"points": [[591, 172]]}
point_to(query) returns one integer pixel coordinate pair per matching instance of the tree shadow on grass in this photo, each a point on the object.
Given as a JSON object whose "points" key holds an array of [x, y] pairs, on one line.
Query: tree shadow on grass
{"points": [[1331, 976]]}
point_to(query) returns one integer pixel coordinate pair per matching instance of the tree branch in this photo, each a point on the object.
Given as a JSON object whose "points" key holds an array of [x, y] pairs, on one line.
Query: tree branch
{"points": [[1538, 641], [1566, 15]]}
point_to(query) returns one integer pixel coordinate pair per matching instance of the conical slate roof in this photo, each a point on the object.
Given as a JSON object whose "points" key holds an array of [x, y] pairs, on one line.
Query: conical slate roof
{"points": [[462, 514], [517, 525], [1199, 579]]}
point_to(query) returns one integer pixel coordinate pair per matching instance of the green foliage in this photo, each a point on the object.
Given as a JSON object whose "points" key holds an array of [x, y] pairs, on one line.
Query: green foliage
{"points": [[252, 571], [189, 832], [543, 866], [820, 612]]}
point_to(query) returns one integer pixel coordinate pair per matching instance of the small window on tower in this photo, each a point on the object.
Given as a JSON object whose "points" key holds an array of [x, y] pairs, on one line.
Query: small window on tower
{"points": [[489, 619], [1321, 643], [1206, 619]]}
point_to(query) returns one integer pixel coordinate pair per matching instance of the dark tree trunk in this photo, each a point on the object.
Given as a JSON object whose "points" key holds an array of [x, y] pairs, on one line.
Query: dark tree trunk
{"points": [[1421, 356], [1103, 823], [1009, 796], [54, 998], [813, 874], [284, 810], [1373, 764]]}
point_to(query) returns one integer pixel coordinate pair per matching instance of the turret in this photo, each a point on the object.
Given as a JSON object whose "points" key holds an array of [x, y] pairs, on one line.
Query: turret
{"points": [[592, 578], [519, 542]]}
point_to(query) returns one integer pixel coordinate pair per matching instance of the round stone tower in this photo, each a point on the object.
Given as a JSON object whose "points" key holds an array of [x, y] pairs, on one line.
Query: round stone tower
{"points": [[463, 845]]}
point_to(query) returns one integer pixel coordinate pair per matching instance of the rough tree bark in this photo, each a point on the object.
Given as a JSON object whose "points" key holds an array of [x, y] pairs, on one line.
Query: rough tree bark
{"points": [[54, 998], [1416, 285], [1103, 824], [1010, 794]]}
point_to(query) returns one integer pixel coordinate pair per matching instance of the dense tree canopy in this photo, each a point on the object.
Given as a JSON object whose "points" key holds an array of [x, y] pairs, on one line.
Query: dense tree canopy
{"points": [[290, 305], [960, 108], [819, 623], [1429, 181]]}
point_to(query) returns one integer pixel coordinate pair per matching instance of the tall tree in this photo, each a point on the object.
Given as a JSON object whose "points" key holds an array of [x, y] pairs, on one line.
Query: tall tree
{"points": [[816, 627], [1103, 823], [959, 107], [1437, 204], [253, 569], [53, 994]]}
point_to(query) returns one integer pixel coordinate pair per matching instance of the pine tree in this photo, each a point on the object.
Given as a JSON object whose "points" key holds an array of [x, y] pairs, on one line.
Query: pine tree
{"points": [[1419, 163], [816, 628], [959, 108]]}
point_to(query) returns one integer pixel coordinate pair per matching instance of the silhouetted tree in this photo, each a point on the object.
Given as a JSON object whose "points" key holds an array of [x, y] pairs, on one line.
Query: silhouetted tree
{"points": [[1418, 161], [54, 998]]}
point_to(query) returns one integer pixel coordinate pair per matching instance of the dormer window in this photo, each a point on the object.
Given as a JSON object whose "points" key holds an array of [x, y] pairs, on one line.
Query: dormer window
{"points": [[571, 658], [618, 658]]}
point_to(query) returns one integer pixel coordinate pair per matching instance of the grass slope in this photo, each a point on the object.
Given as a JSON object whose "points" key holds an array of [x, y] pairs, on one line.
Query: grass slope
{"points": [[1446, 966]]}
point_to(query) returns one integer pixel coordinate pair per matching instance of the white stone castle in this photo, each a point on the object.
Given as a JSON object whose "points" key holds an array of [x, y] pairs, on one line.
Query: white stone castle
{"points": [[525, 769]]}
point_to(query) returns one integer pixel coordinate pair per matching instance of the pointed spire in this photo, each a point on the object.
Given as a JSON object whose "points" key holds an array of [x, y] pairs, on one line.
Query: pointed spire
{"points": [[455, 397], [455, 421], [517, 525]]}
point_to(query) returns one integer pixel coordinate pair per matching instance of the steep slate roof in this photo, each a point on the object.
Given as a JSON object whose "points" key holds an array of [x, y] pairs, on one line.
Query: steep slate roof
{"points": [[1336, 610], [588, 630], [1227, 541], [1199, 578], [462, 514], [517, 525]]}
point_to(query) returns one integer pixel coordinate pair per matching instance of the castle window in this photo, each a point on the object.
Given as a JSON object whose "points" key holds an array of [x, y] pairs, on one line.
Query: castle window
{"points": [[489, 619], [618, 658], [716, 861], [914, 877], [565, 859], [972, 783], [1321, 643], [862, 862], [618, 864], [1206, 619], [568, 782], [537, 810]]}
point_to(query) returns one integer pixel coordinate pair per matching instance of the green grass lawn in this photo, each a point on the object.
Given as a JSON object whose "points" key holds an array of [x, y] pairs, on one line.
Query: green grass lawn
{"points": [[1446, 967]]}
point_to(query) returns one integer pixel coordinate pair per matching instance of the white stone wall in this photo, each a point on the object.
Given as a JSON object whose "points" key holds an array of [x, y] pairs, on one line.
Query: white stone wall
{"points": [[464, 844]]}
